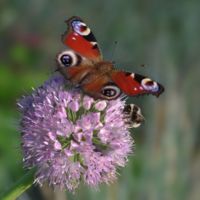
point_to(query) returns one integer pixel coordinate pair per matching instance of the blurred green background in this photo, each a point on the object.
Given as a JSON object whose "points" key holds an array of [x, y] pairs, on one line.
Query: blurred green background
{"points": [[164, 35]]}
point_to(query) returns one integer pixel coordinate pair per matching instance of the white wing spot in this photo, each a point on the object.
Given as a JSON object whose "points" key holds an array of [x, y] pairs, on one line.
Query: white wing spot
{"points": [[73, 38], [133, 75], [93, 43], [75, 33], [141, 88], [135, 88]]}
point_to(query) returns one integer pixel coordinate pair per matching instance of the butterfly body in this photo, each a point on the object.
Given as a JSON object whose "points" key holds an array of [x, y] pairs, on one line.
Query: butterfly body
{"points": [[85, 67]]}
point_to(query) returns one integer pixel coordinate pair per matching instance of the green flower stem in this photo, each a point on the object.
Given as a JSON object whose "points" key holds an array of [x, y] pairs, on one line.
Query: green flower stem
{"points": [[20, 186], [96, 141]]}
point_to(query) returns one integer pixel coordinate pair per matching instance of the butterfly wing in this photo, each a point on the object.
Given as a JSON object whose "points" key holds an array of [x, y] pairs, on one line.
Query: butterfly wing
{"points": [[134, 84], [80, 38], [73, 66], [101, 88], [91, 78]]}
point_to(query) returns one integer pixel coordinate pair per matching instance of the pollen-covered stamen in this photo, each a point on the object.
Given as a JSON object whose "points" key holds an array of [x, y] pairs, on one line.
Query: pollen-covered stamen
{"points": [[149, 85]]}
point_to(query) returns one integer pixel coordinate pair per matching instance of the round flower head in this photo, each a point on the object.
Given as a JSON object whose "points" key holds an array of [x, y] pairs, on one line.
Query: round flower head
{"points": [[72, 138]]}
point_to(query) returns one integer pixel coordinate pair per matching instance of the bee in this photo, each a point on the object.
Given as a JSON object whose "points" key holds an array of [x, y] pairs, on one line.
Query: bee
{"points": [[132, 115]]}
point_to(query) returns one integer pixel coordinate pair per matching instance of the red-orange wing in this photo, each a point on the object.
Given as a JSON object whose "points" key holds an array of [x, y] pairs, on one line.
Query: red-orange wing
{"points": [[100, 86], [80, 38], [134, 84]]}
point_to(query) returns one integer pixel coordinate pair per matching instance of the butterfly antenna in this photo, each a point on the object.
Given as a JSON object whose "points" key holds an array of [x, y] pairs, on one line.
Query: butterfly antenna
{"points": [[113, 51], [140, 65]]}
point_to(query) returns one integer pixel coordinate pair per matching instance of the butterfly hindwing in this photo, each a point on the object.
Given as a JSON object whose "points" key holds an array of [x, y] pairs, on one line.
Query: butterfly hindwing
{"points": [[102, 88], [73, 66], [80, 38]]}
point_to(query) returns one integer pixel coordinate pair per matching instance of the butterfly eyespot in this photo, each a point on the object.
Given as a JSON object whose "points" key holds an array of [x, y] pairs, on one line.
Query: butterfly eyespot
{"points": [[84, 27], [149, 85], [66, 60], [111, 91], [80, 27]]}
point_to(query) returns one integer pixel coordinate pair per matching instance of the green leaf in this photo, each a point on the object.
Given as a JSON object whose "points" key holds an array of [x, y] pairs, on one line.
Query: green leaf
{"points": [[20, 186]]}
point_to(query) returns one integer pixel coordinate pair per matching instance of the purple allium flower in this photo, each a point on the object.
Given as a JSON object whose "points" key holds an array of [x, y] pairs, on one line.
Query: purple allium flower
{"points": [[70, 137]]}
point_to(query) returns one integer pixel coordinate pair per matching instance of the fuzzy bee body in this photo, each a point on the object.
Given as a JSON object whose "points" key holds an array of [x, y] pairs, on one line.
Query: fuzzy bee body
{"points": [[132, 115]]}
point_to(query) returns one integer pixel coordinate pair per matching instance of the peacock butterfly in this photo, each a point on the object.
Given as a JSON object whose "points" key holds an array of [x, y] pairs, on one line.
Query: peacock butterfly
{"points": [[85, 67]]}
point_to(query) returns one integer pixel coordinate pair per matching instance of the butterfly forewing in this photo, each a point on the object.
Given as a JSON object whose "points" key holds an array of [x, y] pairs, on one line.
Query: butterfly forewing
{"points": [[80, 38], [134, 84]]}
